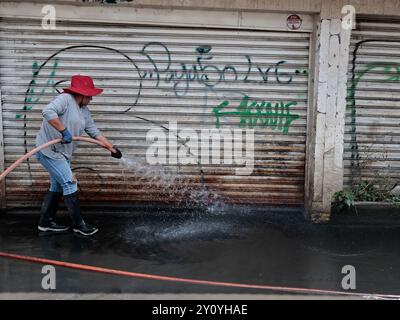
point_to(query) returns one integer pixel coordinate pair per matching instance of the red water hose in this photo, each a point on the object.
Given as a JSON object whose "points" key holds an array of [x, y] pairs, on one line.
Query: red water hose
{"points": [[47, 144], [84, 267]]}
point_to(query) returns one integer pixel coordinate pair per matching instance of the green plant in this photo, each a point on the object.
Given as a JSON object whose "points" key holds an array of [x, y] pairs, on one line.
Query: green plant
{"points": [[343, 200], [362, 191]]}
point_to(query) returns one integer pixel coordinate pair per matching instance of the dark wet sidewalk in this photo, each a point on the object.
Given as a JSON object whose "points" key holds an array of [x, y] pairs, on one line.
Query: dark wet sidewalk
{"points": [[269, 247]]}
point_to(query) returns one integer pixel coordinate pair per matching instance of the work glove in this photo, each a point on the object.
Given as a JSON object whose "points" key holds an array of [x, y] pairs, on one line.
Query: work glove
{"points": [[117, 154], [66, 136]]}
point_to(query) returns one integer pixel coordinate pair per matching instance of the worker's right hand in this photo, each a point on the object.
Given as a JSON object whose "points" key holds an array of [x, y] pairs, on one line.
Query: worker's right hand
{"points": [[66, 136], [117, 154]]}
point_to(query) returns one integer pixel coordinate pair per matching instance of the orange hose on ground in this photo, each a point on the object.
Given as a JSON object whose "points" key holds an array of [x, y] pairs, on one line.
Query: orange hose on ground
{"points": [[83, 267], [45, 145]]}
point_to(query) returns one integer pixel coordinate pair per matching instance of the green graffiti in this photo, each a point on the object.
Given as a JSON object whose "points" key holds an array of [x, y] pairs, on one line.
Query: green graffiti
{"points": [[393, 74], [32, 96], [207, 72], [392, 70], [275, 116]]}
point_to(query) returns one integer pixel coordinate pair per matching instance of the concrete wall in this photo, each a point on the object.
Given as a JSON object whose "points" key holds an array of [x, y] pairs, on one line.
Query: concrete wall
{"points": [[326, 118], [326, 8]]}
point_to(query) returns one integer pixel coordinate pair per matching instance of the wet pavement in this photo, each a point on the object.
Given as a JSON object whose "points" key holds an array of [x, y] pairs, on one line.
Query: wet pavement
{"points": [[268, 246]]}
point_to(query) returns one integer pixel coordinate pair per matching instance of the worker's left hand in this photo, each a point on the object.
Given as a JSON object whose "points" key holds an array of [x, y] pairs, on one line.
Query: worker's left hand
{"points": [[117, 154], [66, 136]]}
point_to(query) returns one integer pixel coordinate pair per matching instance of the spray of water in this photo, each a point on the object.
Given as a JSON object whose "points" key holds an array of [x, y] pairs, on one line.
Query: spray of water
{"points": [[178, 187]]}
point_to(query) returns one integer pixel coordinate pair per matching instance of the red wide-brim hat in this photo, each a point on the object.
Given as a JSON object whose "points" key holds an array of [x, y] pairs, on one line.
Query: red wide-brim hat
{"points": [[83, 85]]}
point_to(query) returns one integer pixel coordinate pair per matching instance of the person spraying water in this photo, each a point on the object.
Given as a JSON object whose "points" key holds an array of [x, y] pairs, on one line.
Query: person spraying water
{"points": [[65, 119], [66, 116]]}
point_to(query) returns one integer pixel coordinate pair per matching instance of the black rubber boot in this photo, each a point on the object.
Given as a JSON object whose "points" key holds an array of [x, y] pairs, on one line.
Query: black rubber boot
{"points": [[78, 224], [49, 208]]}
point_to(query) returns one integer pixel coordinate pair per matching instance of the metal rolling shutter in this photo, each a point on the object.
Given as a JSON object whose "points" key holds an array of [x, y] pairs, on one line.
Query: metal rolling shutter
{"points": [[263, 65], [372, 139]]}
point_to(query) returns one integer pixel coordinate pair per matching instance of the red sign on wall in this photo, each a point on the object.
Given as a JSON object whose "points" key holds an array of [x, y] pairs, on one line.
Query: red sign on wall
{"points": [[293, 22]]}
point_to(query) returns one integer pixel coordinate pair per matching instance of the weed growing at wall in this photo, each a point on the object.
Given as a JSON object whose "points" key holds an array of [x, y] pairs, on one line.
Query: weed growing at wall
{"points": [[344, 200]]}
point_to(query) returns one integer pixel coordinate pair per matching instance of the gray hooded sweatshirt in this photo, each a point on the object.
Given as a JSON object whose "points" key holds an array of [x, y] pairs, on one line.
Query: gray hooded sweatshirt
{"points": [[76, 119]]}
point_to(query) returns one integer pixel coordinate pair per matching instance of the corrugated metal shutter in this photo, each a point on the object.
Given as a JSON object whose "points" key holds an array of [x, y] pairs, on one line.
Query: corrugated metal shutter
{"points": [[158, 82], [372, 139]]}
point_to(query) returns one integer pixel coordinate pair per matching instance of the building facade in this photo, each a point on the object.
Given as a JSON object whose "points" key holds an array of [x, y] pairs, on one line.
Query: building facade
{"points": [[321, 96]]}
